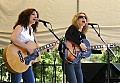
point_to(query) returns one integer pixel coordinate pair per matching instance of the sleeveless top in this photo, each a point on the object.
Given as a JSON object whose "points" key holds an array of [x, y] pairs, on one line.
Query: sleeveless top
{"points": [[24, 35]]}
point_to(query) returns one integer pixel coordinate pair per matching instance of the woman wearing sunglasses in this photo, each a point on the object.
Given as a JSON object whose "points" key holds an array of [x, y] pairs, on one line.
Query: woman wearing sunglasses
{"points": [[74, 35]]}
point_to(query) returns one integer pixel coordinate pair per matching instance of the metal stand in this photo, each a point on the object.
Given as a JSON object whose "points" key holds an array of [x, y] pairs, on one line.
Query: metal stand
{"points": [[43, 72], [63, 43], [54, 70], [108, 52]]}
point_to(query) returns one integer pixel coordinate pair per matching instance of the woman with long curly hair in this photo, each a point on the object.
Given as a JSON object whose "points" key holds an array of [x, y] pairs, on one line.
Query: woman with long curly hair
{"points": [[74, 34]]}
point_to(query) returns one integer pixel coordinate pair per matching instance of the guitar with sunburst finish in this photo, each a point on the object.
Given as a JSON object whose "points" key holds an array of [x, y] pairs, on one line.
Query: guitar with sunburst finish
{"points": [[74, 54]]}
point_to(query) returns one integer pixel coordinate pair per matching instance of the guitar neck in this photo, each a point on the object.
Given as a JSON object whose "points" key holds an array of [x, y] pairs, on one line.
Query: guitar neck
{"points": [[46, 46], [101, 46], [96, 46]]}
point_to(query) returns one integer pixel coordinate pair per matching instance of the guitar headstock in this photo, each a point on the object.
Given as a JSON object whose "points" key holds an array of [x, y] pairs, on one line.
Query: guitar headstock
{"points": [[111, 45]]}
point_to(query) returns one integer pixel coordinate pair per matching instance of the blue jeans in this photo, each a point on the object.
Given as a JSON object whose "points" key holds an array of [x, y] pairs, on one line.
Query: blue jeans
{"points": [[27, 76], [74, 72]]}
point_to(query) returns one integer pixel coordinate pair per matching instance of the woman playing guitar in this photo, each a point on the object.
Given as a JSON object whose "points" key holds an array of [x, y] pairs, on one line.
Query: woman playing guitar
{"points": [[24, 32], [74, 36]]}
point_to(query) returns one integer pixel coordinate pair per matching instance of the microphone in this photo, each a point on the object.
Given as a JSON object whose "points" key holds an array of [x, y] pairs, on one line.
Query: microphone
{"points": [[39, 20], [91, 24]]}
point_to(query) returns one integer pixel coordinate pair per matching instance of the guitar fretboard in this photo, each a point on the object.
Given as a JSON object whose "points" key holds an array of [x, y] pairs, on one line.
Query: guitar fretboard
{"points": [[97, 46], [46, 46], [101, 46]]}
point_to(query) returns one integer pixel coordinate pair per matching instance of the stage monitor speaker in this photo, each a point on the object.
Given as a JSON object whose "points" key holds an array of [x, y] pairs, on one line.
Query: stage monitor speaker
{"points": [[97, 72]]}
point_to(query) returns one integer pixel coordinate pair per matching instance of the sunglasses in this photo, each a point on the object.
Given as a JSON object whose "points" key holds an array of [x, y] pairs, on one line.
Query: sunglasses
{"points": [[82, 17]]}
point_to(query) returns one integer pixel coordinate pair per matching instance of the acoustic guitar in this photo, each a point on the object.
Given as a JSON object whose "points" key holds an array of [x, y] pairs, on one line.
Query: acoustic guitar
{"points": [[17, 59], [74, 54]]}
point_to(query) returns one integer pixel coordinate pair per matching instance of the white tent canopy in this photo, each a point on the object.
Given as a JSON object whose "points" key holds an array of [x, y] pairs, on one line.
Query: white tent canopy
{"points": [[59, 13]]}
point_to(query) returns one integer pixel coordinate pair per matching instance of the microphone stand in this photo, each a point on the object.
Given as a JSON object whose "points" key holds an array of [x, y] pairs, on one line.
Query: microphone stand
{"points": [[61, 41], [54, 71], [108, 52]]}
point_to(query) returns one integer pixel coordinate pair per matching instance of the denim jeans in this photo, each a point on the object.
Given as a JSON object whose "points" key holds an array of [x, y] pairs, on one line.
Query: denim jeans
{"points": [[27, 76], [73, 72]]}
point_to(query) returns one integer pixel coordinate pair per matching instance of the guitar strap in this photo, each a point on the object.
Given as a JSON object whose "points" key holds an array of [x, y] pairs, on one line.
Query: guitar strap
{"points": [[35, 41]]}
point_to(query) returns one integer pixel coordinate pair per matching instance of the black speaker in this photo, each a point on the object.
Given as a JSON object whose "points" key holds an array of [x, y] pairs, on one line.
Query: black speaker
{"points": [[97, 72]]}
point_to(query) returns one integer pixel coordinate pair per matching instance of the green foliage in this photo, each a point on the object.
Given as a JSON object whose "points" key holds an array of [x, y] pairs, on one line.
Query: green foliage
{"points": [[3, 73], [45, 69]]}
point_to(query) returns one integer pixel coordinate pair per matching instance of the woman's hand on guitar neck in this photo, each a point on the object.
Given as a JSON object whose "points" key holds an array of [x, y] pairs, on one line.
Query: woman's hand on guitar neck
{"points": [[104, 48], [83, 46], [54, 46]]}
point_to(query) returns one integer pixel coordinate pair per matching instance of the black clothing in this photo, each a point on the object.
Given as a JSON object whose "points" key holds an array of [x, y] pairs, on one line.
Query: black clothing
{"points": [[74, 35]]}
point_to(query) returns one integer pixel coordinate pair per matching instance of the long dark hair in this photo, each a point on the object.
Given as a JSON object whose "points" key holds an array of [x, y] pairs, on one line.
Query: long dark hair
{"points": [[24, 17]]}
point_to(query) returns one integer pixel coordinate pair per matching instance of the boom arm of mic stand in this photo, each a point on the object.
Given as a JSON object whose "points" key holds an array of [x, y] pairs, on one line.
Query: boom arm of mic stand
{"points": [[99, 34], [103, 40], [59, 39]]}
